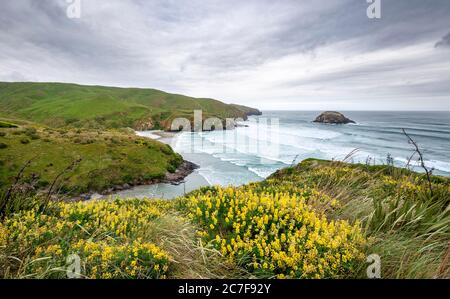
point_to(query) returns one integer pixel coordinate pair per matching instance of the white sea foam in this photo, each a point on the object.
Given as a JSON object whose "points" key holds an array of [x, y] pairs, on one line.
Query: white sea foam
{"points": [[205, 176], [261, 172], [431, 164], [148, 134], [248, 147], [307, 132], [241, 156], [439, 165]]}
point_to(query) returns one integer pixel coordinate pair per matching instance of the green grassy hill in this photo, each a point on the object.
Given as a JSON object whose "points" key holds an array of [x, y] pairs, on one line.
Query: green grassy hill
{"points": [[107, 158], [247, 110], [59, 105]]}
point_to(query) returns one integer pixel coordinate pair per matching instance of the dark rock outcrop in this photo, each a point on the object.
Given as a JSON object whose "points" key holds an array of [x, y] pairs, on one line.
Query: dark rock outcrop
{"points": [[333, 117], [185, 169]]}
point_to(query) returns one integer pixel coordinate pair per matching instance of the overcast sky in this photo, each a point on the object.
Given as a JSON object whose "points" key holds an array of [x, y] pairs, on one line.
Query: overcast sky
{"points": [[299, 54]]}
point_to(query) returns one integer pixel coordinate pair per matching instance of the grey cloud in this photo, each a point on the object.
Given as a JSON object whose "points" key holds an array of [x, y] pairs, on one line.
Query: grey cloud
{"points": [[297, 30], [44, 24], [184, 46], [444, 42]]}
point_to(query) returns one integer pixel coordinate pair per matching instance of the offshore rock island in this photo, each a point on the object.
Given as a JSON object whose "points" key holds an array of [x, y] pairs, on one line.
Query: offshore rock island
{"points": [[333, 117]]}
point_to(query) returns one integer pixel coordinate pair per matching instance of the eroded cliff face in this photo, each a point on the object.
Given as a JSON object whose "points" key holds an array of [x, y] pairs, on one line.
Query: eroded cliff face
{"points": [[209, 120], [144, 125]]}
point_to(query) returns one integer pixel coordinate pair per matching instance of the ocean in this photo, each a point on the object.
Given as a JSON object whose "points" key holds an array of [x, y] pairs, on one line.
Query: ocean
{"points": [[278, 139]]}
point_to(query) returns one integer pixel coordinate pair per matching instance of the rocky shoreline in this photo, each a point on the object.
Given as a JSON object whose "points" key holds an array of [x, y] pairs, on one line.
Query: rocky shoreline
{"points": [[185, 169]]}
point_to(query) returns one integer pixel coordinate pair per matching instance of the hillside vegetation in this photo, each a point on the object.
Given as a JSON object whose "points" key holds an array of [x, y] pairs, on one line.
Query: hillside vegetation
{"points": [[319, 219], [84, 160], [62, 105]]}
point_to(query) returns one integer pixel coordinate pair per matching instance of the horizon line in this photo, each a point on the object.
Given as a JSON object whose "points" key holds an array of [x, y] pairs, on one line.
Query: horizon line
{"points": [[316, 110]]}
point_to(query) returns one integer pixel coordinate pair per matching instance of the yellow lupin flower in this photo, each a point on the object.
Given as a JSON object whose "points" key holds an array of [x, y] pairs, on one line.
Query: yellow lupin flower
{"points": [[277, 228]]}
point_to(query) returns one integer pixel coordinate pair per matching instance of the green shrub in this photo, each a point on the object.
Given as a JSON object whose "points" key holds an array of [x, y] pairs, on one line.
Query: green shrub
{"points": [[2, 134], [127, 178], [166, 149], [42, 184], [158, 126], [3, 145], [114, 140], [87, 141], [171, 168], [24, 141], [30, 131]]}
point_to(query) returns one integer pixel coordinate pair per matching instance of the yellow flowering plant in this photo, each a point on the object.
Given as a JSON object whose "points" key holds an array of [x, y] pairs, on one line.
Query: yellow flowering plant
{"points": [[137, 260], [275, 234], [301, 222], [107, 235]]}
